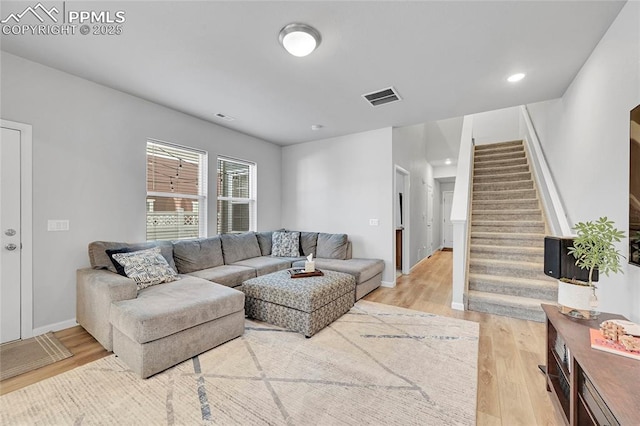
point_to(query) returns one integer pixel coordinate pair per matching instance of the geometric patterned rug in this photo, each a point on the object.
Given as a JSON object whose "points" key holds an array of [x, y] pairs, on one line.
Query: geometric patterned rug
{"points": [[377, 364]]}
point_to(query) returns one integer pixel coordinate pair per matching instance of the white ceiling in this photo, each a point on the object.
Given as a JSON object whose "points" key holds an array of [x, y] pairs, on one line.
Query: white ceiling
{"points": [[446, 59]]}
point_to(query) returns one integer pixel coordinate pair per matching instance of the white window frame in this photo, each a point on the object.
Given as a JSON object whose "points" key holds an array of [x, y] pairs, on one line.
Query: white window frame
{"points": [[202, 184], [251, 201]]}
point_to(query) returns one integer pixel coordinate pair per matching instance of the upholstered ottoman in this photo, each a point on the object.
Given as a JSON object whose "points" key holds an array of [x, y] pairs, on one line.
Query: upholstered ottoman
{"points": [[305, 305], [169, 323]]}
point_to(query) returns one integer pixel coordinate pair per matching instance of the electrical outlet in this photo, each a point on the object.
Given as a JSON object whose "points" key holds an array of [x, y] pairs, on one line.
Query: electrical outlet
{"points": [[374, 222]]}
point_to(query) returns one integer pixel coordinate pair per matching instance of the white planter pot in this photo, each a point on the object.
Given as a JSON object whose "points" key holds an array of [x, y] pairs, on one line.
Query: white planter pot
{"points": [[577, 300]]}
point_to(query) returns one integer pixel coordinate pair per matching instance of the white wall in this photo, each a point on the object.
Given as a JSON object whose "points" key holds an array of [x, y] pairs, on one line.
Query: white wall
{"points": [[501, 125], [409, 152], [89, 167], [336, 185], [585, 136], [441, 172]]}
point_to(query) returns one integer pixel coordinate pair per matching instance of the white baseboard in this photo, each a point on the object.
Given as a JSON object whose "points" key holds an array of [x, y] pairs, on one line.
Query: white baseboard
{"points": [[457, 306], [55, 327], [389, 284]]}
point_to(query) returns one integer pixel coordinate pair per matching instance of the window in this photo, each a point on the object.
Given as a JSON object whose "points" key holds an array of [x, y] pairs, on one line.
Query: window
{"points": [[176, 192], [236, 196]]}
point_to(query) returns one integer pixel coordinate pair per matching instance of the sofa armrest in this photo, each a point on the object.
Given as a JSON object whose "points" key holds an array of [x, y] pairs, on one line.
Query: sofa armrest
{"points": [[96, 289]]}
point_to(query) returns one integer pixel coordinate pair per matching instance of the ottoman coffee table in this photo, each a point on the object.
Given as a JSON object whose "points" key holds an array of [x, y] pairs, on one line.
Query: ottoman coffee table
{"points": [[305, 305]]}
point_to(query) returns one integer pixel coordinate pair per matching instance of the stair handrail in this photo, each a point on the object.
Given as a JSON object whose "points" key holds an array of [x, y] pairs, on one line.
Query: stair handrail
{"points": [[460, 211], [549, 195]]}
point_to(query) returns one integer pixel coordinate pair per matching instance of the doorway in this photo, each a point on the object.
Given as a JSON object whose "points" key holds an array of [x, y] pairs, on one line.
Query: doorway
{"points": [[447, 226], [401, 220], [15, 232]]}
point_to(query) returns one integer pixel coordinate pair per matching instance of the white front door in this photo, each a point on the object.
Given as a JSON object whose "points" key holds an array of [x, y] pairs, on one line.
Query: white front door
{"points": [[10, 249], [447, 230]]}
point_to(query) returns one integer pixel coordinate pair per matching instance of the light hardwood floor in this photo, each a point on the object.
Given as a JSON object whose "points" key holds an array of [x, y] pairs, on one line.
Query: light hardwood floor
{"points": [[511, 389]]}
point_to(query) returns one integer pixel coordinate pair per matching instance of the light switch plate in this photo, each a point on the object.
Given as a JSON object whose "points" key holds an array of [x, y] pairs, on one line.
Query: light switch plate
{"points": [[57, 225], [373, 222]]}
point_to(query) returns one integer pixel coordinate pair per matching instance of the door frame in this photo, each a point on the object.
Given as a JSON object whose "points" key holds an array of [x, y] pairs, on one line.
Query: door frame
{"points": [[406, 217], [444, 228], [26, 225]]}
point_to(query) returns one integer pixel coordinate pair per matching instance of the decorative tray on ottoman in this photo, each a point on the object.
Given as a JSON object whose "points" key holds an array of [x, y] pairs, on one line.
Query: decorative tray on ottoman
{"points": [[300, 273]]}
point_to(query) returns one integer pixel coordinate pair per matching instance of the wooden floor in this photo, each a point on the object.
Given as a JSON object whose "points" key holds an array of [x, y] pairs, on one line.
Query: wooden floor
{"points": [[511, 389]]}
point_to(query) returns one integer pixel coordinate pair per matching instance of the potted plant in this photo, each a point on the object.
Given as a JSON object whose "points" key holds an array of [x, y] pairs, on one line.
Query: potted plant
{"points": [[593, 248]]}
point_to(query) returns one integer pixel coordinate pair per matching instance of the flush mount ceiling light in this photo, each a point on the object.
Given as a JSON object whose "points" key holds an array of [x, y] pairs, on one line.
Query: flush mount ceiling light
{"points": [[515, 77], [299, 39], [447, 161]]}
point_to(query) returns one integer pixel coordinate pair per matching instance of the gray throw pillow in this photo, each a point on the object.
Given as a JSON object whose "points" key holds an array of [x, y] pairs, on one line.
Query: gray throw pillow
{"points": [[285, 244], [237, 247], [332, 246]]}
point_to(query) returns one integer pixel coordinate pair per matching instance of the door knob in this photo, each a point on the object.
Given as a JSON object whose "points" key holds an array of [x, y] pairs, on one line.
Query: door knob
{"points": [[11, 247]]}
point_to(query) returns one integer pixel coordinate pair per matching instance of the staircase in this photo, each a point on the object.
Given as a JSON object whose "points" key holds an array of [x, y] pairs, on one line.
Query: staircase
{"points": [[507, 236]]}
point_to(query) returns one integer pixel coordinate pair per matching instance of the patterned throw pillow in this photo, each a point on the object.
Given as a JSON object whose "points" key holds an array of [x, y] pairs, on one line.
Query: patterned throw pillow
{"points": [[146, 267], [285, 244]]}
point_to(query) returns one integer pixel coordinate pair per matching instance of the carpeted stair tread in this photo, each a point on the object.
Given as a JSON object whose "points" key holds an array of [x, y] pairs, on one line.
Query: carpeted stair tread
{"points": [[493, 156], [520, 168], [505, 204], [518, 227], [479, 154], [523, 287], [506, 144], [500, 163], [507, 268], [502, 186], [487, 251], [506, 305], [507, 177], [507, 194], [507, 214]]}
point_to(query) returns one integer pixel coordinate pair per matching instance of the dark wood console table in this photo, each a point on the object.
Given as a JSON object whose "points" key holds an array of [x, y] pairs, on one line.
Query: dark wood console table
{"points": [[590, 387]]}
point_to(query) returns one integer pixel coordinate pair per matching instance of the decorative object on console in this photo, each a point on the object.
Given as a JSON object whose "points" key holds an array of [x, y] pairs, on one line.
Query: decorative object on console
{"points": [[594, 249]]}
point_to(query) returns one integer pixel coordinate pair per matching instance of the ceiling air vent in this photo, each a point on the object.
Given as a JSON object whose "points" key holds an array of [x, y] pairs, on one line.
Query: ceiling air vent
{"points": [[383, 96], [224, 117]]}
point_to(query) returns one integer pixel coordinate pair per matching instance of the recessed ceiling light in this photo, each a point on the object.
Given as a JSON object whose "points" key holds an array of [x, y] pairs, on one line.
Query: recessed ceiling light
{"points": [[447, 161], [316, 126], [299, 39], [515, 77]]}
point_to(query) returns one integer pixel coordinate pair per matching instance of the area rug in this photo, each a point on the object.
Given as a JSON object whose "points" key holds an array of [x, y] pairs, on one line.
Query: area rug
{"points": [[25, 355], [377, 364]]}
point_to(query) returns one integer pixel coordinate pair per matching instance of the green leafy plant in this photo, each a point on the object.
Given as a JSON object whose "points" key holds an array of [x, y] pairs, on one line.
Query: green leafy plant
{"points": [[594, 247]]}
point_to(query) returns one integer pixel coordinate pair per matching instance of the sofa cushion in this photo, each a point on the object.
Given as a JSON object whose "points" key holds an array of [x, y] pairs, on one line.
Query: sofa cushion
{"points": [[285, 244], [196, 254], [166, 309], [308, 243], [99, 259], [264, 241], [361, 269], [266, 264], [146, 267], [237, 247], [332, 246], [229, 275]]}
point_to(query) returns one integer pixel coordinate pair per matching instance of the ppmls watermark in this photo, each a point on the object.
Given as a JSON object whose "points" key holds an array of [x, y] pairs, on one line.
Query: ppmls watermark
{"points": [[60, 18]]}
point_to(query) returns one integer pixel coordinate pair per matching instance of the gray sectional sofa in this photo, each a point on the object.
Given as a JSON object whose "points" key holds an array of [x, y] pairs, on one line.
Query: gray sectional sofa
{"points": [[159, 326]]}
